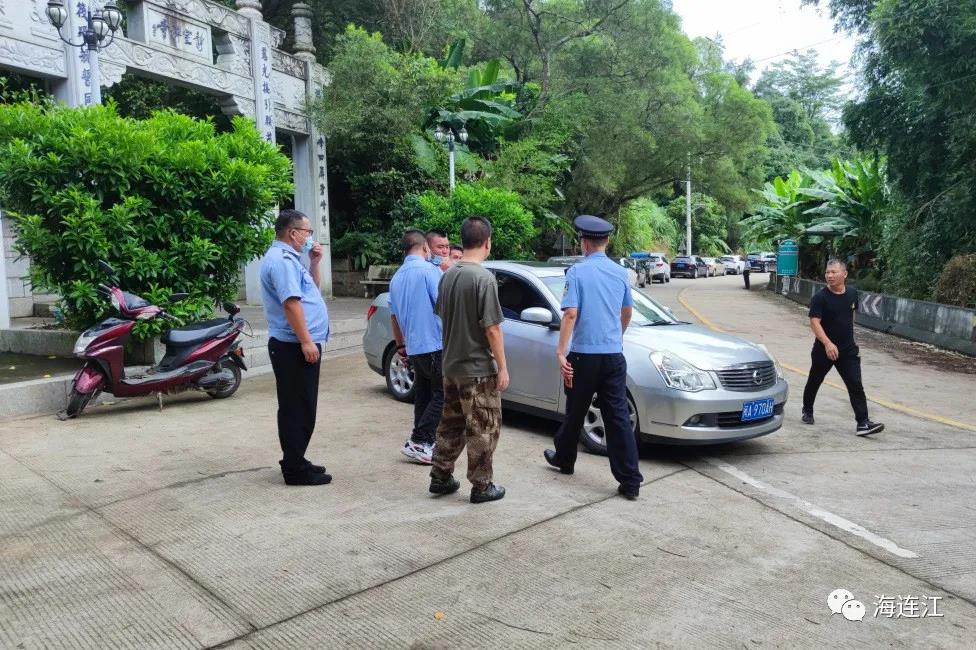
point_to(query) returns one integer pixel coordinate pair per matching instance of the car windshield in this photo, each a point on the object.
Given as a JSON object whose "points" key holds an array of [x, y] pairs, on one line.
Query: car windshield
{"points": [[646, 311]]}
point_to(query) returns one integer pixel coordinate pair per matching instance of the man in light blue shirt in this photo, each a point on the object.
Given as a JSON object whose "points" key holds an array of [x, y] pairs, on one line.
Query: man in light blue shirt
{"points": [[417, 332], [597, 306], [298, 327]]}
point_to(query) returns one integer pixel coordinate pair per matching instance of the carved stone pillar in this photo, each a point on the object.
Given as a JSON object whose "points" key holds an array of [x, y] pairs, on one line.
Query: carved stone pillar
{"points": [[250, 8], [82, 87], [304, 45]]}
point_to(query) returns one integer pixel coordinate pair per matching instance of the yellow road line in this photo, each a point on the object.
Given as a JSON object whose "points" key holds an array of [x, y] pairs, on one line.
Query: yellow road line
{"points": [[894, 406]]}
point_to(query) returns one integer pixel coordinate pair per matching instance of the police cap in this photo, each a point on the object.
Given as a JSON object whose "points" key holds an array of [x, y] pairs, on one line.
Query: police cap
{"points": [[591, 227]]}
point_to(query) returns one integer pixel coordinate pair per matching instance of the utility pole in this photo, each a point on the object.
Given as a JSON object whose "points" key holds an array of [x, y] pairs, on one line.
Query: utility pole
{"points": [[688, 210]]}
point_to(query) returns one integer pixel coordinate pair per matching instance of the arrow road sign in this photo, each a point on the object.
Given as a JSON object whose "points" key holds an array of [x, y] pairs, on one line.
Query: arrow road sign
{"points": [[871, 304]]}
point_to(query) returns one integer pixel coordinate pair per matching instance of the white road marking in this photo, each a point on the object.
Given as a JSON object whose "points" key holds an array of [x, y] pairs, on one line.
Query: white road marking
{"points": [[811, 509]]}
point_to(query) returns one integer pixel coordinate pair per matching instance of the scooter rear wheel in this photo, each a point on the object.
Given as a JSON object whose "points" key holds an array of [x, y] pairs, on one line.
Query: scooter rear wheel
{"points": [[223, 393]]}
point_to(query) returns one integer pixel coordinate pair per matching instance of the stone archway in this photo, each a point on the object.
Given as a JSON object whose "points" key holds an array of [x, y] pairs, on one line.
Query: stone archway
{"points": [[197, 44]]}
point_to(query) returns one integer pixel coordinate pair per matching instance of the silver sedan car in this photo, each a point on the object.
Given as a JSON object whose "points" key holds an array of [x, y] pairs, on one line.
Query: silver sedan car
{"points": [[686, 385]]}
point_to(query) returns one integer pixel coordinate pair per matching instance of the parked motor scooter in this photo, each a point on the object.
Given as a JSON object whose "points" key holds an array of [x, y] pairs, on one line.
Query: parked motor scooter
{"points": [[205, 355]]}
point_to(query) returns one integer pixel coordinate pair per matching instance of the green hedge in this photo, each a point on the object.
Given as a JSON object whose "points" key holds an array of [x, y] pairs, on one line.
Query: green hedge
{"points": [[511, 223], [169, 203]]}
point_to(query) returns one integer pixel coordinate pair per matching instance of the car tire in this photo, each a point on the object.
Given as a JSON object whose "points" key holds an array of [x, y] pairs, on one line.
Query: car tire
{"points": [[593, 435], [399, 377]]}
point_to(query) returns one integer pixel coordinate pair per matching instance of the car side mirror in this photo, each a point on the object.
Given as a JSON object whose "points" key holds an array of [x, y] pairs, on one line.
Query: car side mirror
{"points": [[539, 315]]}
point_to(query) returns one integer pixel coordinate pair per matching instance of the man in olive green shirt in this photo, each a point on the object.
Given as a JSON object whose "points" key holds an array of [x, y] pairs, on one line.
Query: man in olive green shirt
{"points": [[475, 372]]}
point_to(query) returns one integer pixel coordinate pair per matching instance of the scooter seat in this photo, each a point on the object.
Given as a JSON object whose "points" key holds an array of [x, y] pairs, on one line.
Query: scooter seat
{"points": [[195, 333]]}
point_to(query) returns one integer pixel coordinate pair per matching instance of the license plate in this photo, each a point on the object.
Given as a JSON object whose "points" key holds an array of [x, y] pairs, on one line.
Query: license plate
{"points": [[757, 409]]}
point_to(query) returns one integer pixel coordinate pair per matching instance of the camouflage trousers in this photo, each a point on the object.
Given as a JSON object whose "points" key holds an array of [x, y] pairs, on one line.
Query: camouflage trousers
{"points": [[472, 416]]}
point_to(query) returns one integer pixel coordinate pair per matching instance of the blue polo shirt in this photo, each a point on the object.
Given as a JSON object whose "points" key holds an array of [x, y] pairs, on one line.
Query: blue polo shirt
{"points": [[282, 277], [413, 294], [597, 288]]}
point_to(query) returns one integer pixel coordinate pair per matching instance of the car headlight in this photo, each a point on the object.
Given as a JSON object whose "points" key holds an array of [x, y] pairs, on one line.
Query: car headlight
{"points": [[779, 369], [681, 375]]}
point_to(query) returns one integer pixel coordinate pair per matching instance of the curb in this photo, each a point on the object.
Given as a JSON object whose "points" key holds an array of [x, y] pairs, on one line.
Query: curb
{"points": [[50, 395]]}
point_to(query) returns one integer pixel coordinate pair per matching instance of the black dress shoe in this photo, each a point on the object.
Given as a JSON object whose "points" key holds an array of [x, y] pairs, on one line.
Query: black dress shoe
{"points": [[628, 493], [491, 492], [807, 418], [317, 469], [447, 485], [309, 478], [550, 456]]}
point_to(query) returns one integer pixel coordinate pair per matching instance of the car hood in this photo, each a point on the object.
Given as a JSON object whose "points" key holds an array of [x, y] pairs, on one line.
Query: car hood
{"points": [[701, 347]]}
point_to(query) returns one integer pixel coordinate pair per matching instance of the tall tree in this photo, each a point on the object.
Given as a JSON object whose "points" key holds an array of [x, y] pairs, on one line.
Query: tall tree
{"points": [[917, 105]]}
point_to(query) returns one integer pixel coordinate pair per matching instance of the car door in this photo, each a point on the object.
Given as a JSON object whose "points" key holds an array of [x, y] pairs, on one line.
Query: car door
{"points": [[530, 348]]}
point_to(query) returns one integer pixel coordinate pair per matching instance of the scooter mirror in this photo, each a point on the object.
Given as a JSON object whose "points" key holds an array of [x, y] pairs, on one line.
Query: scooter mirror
{"points": [[176, 297], [105, 268], [231, 308]]}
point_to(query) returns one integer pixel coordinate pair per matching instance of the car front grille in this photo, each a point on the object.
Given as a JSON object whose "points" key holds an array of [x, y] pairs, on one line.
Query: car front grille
{"points": [[748, 377]]}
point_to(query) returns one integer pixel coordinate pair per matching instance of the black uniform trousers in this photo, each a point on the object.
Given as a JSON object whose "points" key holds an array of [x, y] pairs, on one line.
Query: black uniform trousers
{"points": [[745, 276], [297, 384], [848, 366], [606, 376], [428, 399]]}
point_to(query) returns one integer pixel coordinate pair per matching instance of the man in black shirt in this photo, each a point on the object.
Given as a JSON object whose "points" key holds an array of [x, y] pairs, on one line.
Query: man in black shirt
{"points": [[832, 321]]}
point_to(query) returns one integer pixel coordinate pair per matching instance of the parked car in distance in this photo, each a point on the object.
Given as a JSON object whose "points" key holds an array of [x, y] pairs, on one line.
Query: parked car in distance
{"points": [[686, 385], [734, 264], [660, 267], [568, 260], [762, 261], [689, 267], [715, 268]]}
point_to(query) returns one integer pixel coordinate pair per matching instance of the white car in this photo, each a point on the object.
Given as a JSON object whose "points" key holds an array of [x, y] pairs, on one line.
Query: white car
{"points": [[734, 264]]}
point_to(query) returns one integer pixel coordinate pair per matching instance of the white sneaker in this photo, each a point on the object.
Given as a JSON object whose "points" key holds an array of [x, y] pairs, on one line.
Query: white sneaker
{"points": [[419, 453]]}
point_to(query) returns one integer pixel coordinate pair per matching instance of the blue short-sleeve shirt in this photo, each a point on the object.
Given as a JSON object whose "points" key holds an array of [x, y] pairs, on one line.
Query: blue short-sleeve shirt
{"points": [[413, 294], [597, 288], [282, 277]]}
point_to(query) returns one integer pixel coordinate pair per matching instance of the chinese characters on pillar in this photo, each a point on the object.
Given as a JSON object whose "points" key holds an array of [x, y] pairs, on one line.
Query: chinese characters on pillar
{"points": [[84, 58], [267, 127], [320, 163]]}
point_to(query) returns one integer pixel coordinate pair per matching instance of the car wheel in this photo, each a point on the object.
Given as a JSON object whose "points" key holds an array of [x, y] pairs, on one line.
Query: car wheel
{"points": [[399, 376], [593, 435]]}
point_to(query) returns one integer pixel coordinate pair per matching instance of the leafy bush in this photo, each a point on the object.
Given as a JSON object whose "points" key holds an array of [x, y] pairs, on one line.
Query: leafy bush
{"points": [[512, 229], [957, 284], [643, 225], [171, 205]]}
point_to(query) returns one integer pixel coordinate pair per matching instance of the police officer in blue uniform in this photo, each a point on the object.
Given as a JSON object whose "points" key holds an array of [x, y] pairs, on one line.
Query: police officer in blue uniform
{"points": [[597, 307], [298, 327]]}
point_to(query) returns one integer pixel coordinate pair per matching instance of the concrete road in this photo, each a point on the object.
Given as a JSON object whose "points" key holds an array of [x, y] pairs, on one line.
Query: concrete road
{"points": [[135, 528]]}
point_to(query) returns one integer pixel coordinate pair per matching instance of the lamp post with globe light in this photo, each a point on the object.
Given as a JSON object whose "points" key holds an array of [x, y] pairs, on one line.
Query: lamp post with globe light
{"points": [[99, 24], [448, 135]]}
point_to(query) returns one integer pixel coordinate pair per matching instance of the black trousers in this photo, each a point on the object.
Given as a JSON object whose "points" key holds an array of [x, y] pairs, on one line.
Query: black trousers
{"points": [[297, 384], [606, 376], [745, 277], [428, 398], [848, 366]]}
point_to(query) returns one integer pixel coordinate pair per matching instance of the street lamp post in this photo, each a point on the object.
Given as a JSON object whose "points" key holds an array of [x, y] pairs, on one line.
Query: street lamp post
{"points": [[447, 134], [99, 24]]}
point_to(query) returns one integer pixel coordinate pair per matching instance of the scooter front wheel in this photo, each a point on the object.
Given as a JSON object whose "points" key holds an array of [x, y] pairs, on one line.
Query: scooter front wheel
{"points": [[77, 403], [231, 388]]}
